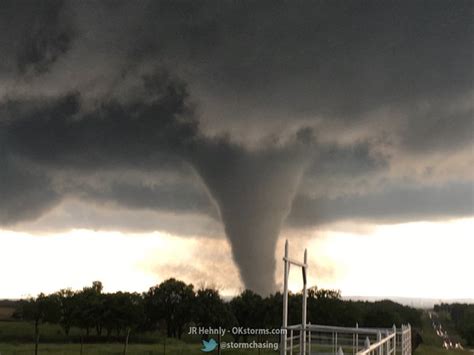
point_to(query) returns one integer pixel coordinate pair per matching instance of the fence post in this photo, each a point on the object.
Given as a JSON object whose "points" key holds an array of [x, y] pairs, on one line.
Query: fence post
{"points": [[291, 342], [409, 338], [403, 340], [219, 350], [379, 337], [303, 315], [395, 339], [367, 343], [309, 338], [125, 346], [357, 337], [285, 301]]}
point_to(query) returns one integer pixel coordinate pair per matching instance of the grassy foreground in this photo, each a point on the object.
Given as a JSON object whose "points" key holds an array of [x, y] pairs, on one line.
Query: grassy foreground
{"points": [[96, 349], [19, 341]]}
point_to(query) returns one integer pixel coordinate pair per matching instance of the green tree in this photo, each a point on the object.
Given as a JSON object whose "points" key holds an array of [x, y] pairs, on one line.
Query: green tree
{"points": [[171, 301], [68, 308], [321, 293], [248, 308], [211, 311], [124, 312], [90, 308], [273, 310], [42, 309], [462, 315]]}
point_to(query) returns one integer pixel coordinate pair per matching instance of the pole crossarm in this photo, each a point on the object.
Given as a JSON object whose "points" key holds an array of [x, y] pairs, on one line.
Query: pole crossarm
{"points": [[295, 262], [302, 337]]}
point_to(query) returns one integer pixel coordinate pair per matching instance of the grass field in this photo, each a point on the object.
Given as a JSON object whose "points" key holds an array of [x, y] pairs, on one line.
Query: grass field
{"points": [[53, 341], [96, 349]]}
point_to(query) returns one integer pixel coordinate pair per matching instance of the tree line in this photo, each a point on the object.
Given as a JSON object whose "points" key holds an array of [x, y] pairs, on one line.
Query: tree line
{"points": [[462, 315], [173, 305]]}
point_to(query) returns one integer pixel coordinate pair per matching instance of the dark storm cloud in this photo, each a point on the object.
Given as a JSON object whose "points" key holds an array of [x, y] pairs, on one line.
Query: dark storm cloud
{"points": [[57, 132], [231, 109], [34, 34], [24, 194], [339, 60], [395, 204], [173, 197], [356, 159], [443, 128]]}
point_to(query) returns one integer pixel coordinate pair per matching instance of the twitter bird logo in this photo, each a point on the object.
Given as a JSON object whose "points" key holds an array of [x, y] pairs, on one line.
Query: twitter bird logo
{"points": [[208, 346]]}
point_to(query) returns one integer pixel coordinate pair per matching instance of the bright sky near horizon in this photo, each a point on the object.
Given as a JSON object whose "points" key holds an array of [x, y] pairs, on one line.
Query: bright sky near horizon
{"points": [[420, 260]]}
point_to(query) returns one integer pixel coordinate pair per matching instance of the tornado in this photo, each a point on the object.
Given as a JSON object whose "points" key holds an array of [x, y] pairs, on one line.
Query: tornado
{"points": [[253, 191]]}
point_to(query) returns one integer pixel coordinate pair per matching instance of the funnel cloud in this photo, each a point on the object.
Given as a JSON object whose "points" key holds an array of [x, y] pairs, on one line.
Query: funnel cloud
{"points": [[253, 191]]}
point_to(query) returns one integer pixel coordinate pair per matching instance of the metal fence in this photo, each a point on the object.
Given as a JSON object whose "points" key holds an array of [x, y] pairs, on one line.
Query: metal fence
{"points": [[329, 340]]}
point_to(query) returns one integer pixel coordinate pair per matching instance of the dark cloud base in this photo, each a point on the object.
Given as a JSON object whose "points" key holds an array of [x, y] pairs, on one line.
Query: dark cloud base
{"points": [[395, 204]]}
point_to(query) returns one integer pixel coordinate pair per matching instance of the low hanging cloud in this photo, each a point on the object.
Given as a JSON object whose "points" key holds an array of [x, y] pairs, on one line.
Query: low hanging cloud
{"points": [[298, 115]]}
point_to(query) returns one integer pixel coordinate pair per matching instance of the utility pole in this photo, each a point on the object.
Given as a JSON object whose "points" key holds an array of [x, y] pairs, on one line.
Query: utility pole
{"points": [[285, 301]]}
